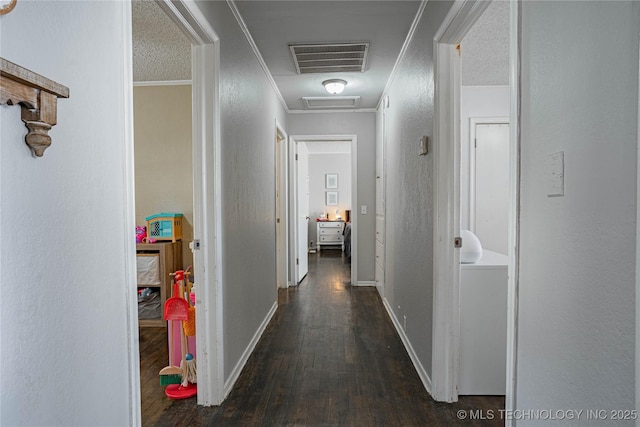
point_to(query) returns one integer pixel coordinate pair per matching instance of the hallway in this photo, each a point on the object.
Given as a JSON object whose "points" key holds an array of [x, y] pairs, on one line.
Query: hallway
{"points": [[330, 356]]}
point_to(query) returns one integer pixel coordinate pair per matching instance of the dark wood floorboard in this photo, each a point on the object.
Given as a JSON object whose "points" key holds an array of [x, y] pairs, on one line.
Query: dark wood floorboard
{"points": [[329, 357]]}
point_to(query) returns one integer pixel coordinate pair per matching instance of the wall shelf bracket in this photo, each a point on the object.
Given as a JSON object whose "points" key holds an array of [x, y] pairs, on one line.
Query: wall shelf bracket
{"points": [[38, 97]]}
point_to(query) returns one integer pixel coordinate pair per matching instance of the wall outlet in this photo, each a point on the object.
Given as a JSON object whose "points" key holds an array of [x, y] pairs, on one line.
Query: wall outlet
{"points": [[363, 209]]}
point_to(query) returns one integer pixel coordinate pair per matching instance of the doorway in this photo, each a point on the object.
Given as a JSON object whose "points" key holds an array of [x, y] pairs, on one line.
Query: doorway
{"points": [[282, 219], [206, 196], [302, 209], [323, 191], [447, 298]]}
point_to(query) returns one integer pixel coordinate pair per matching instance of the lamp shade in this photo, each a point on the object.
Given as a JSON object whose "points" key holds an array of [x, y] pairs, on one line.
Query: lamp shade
{"points": [[334, 86]]}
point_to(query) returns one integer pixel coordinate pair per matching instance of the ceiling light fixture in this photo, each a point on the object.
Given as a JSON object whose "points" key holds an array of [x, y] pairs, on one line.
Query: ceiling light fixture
{"points": [[334, 86]]}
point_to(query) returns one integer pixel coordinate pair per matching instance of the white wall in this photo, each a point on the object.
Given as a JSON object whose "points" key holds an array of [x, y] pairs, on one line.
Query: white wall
{"points": [[63, 306], [409, 188], [476, 101], [362, 125], [577, 252], [249, 109], [321, 164]]}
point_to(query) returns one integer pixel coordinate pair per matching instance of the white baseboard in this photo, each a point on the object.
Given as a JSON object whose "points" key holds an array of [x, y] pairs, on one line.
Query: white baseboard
{"points": [[247, 352], [380, 288], [366, 283], [422, 373]]}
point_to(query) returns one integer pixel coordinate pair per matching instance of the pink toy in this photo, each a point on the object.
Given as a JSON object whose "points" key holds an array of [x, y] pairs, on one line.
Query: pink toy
{"points": [[141, 233]]}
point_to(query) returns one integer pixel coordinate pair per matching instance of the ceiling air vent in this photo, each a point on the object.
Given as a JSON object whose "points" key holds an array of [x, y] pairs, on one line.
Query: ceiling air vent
{"points": [[329, 58], [331, 102]]}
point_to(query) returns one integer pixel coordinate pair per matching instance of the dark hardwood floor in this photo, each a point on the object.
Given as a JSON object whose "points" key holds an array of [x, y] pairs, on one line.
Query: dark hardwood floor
{"points": [[329, 357]]}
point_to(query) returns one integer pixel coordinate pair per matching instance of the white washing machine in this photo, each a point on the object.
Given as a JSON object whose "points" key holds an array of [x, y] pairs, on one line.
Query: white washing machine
{"points": [[483, 326]]}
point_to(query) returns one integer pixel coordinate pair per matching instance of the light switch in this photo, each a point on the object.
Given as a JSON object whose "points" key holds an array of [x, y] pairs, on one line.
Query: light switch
{"points": [[555, 175], [363, 209]]}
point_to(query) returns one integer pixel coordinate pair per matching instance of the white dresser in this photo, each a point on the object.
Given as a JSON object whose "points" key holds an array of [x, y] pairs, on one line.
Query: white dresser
{"points": [[330, 233]]}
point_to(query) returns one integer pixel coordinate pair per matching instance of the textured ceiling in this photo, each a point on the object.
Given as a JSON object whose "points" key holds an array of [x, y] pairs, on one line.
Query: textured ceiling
{"points": [[161, 52], [485, 48], [276, 24]]}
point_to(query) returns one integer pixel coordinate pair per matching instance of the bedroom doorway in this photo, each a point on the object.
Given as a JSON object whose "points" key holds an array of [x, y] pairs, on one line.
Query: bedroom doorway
{"points": [[204, 169], [323, 193]]}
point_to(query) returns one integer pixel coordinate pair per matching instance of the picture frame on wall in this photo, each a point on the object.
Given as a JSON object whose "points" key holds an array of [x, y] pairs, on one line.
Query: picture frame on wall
{"points": [[331, 180], [332, 198]]}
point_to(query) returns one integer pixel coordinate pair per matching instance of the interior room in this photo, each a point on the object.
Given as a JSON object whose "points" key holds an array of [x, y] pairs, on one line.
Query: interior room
{"points": [[162, 124], [329, 195], [484, 202]]}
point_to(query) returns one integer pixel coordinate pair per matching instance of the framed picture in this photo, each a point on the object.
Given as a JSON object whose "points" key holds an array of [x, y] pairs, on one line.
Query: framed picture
{"points": [[331, 180], [332, 198]]}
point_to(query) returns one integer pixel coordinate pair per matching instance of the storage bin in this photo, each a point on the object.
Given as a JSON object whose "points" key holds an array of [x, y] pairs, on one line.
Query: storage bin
{"points": [[164, 226]]}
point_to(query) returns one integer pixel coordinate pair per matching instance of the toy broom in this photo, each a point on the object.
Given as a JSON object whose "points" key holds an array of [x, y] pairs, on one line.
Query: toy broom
{"points": [[174, 309]]}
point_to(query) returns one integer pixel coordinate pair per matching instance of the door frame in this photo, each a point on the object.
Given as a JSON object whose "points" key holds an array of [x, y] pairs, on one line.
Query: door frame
{"points": [[207, 224], [446, 330], [282, 213], [298, 277], [637, 358], [473, 121], [293, 168]]}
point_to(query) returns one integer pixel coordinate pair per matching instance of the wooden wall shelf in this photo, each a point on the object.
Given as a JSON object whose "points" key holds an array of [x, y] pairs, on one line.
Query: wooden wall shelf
{"points": [[38, 97]]}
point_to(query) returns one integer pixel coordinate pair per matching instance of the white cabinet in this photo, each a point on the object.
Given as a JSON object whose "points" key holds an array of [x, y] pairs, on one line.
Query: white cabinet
{"points": [[483, 326], [330, 233]]}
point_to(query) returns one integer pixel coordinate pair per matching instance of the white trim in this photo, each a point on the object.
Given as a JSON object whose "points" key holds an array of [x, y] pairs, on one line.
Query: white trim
{"points": [[129, 250], [403, 51], [163, 83], [473, 121], [282, 159], [461, 18], [446, 150], [292, 191], [354, 197], [422, 373], [235, 374], [256, 51], [207, 221], [446, 286], [514, 212], [365, 283], [638, 254], [190, 20], [207, 218]]}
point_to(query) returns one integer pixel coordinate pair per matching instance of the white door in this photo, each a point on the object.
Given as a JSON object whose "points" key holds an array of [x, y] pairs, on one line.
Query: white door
{"points": [[281, 209], [491, 186], [302, 259]]}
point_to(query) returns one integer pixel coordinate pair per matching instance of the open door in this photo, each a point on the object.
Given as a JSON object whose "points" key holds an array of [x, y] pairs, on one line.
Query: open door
{"points": [[302, 218], [282, 218], [207, 170]]}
